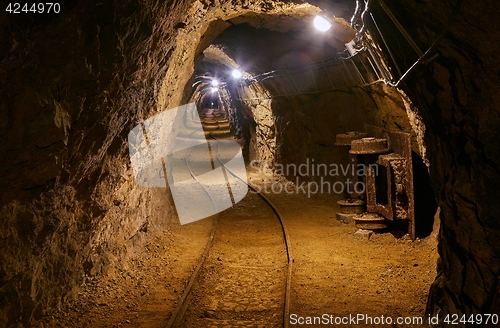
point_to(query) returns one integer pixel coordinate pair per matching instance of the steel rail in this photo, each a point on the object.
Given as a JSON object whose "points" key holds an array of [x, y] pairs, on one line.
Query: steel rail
{"points": [[178, 313], [286, 236]]}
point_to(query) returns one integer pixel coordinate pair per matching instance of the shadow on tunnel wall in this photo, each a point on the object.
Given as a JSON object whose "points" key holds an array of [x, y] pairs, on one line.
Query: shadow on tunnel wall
{"points": [[425, 201]]}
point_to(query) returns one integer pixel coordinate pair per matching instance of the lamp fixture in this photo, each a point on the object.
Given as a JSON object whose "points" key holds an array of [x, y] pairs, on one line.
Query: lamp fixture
{"points": [[237, 74], [322, 23]]}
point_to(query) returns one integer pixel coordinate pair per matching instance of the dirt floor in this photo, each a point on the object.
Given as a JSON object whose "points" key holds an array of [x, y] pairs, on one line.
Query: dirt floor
{"points": [[335, 273], [339, 274], [243, 281]]}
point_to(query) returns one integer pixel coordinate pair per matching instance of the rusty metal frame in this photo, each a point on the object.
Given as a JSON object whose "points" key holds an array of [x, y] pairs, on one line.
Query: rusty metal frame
{"points": [[400, 184]]}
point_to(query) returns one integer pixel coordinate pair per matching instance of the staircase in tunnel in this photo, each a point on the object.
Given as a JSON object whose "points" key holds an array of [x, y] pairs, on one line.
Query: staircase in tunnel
{"points": [[215, 121], [196, 168]]}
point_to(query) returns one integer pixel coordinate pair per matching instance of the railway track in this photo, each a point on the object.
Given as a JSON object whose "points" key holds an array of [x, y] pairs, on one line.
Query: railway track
{"points": [[236, 283]]}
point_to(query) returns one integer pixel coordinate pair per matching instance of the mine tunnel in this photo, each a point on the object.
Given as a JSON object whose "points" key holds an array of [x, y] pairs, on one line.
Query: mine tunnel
{"points": [[249, 163]]}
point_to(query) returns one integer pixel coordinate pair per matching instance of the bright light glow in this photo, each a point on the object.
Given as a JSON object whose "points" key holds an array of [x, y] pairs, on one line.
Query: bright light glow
{"points": [[215, 83], [214, 89], [321, 23], [237, 74]]}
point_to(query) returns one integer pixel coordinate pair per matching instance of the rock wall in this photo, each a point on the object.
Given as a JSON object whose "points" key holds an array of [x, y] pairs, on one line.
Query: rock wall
{"points": [[308, 124], [456, 92], [262, 143], [72, 86]]}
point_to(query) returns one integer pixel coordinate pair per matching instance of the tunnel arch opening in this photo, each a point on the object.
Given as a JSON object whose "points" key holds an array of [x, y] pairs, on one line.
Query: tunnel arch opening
{"points": [[268, 141]]}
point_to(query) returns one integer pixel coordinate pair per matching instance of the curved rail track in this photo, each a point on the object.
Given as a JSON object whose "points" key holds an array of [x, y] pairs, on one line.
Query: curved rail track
{"points": [[178, 315]]}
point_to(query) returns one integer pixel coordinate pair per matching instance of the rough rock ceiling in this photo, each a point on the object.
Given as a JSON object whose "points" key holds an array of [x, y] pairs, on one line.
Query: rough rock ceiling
{"points": [[260, 50]]}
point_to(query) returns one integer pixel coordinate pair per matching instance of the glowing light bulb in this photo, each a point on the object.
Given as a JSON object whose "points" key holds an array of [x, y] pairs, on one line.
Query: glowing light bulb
{"points": [[215, 89], [215, 83], [237, 74], [321, 23]]}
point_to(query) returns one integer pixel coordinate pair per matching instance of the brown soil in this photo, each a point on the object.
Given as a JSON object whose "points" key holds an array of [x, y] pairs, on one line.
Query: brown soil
{"points": [[338, 274], [242, 282]]}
